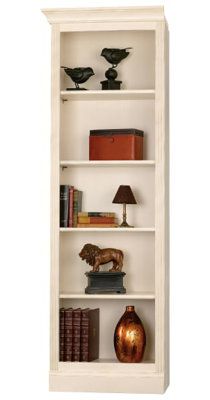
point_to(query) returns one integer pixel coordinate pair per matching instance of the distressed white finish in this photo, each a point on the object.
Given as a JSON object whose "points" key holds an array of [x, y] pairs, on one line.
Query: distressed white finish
{"points": [[141, 104]]}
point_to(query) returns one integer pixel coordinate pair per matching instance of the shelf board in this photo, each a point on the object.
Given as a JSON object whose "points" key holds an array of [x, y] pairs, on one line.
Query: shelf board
{"points": [[107, 163], [107, 95], [126, 296], [107, 229]]}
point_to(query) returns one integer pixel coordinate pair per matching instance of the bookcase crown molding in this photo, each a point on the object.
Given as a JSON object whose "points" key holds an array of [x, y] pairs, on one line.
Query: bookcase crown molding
{"points": [[69, 15]]}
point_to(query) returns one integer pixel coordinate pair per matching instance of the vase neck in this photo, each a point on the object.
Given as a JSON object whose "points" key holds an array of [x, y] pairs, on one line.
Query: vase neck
{"points": [[130, 308]]}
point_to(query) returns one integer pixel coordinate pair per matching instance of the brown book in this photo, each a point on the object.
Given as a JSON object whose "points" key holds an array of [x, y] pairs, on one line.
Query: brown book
{"points": [[68, 335], [76, 325], [89, 334], [62, 334], [97, 225], [96, 220]]}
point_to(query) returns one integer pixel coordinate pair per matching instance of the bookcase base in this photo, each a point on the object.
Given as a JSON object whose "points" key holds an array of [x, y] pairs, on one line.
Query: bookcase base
{"points": [[145, 383]]}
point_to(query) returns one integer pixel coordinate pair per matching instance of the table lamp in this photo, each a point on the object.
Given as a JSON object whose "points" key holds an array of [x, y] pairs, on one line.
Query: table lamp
{"points": [[124, 196]]}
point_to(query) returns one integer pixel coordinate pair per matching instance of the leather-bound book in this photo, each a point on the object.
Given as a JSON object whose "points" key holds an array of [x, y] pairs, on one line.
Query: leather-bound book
{"points": [[71, 198], [62, 334], [76, 321], [89, 335], [64, 205], [68, 330]]}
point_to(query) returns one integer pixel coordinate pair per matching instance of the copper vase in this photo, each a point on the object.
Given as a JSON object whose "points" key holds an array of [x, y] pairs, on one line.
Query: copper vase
{"points": [[129, 337]]}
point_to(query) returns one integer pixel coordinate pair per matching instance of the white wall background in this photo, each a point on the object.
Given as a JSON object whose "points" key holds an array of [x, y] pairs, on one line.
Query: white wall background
{"points": [[24, 210]]}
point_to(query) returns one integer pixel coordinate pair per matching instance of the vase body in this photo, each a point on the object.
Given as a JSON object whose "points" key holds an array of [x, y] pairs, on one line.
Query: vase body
{"points": [[129, 337]]}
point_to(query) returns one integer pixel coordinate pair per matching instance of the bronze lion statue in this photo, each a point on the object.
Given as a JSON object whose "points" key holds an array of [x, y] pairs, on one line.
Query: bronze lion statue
{"points": [[95, 257]]}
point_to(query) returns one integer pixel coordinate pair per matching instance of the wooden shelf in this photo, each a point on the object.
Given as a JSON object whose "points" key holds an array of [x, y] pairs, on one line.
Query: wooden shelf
{"points": [[107, 229], [108, 163], [108, 95], [126, 296]]}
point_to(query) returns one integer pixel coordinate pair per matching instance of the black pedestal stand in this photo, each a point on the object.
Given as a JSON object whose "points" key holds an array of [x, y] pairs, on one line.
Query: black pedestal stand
{"points": [[105, 282]]}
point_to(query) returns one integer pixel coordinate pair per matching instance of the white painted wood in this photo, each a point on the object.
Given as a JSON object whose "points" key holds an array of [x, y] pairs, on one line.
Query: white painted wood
{"points": [[107, 181], [120, 163], [139, 258], [161, 218], [107, 26], [55, 181], [114, 14], [111, 114], [137, 71], [127, 296], [110, 313], [108, 95], [147, 382], [105, 366], [142, 104], [116, 230]]}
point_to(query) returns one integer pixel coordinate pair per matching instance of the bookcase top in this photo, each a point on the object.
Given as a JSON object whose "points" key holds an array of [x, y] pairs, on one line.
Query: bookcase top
{"points": [[67, 15]]}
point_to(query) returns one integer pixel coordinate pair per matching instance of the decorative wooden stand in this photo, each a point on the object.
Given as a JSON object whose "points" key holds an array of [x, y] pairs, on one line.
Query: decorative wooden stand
{"points": [[105, 282]]}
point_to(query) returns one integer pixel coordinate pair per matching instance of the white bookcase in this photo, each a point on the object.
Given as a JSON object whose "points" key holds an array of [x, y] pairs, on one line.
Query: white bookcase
{"points": [[78, 36]]}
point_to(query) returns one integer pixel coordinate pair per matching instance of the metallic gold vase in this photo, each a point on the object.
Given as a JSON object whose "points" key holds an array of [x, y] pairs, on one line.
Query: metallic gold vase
{"points": [[129, 337]]}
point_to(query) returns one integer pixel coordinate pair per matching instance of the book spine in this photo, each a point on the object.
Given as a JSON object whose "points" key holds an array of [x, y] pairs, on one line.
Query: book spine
{"points": [[79, 203], [71, 195], [96, 220], [96, 214], [76, 335], [93, 343], [75, 208], [97, 225], [68, 334], [64, 203], [62, 334], [84, 335]]}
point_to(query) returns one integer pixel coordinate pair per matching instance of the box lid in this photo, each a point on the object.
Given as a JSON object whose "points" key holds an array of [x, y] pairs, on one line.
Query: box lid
{"points": [[110, 132]]}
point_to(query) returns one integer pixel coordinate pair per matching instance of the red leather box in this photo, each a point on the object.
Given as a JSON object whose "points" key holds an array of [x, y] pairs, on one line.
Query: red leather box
{"points": [[116, 144]]}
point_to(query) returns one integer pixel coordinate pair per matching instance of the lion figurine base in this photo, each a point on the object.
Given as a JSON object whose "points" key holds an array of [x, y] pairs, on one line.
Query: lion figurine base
{"points": [[105, 282]]}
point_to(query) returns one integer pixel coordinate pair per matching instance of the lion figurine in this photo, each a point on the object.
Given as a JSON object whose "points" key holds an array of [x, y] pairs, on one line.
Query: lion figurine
{"points": [[95, 257]]}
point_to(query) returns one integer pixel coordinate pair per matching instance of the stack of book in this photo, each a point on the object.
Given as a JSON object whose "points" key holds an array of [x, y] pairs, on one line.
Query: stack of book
{"points": [[96, 220], [70, 205], [78, 334]]}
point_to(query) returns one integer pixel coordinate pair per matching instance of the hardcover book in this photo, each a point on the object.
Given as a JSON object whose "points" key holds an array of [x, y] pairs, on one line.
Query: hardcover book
{"points": [[64, 205], [96, 214], [76, 325], [97, 225], [62, 334], [68, 334], [89, 334], [71, 197], [96, 220], [77, 205]]}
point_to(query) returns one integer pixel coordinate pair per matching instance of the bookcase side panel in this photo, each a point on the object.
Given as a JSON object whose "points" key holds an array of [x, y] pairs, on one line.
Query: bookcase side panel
{"points": [[161, 222], [55, 170]]}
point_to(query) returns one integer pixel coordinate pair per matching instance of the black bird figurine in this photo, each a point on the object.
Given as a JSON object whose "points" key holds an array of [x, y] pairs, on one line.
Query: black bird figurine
{"points": [[78, 75], [114, 57]]}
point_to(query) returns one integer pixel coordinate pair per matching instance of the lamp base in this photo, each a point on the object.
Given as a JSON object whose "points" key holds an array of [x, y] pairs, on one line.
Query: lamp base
{"points": [[125, 225]]}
